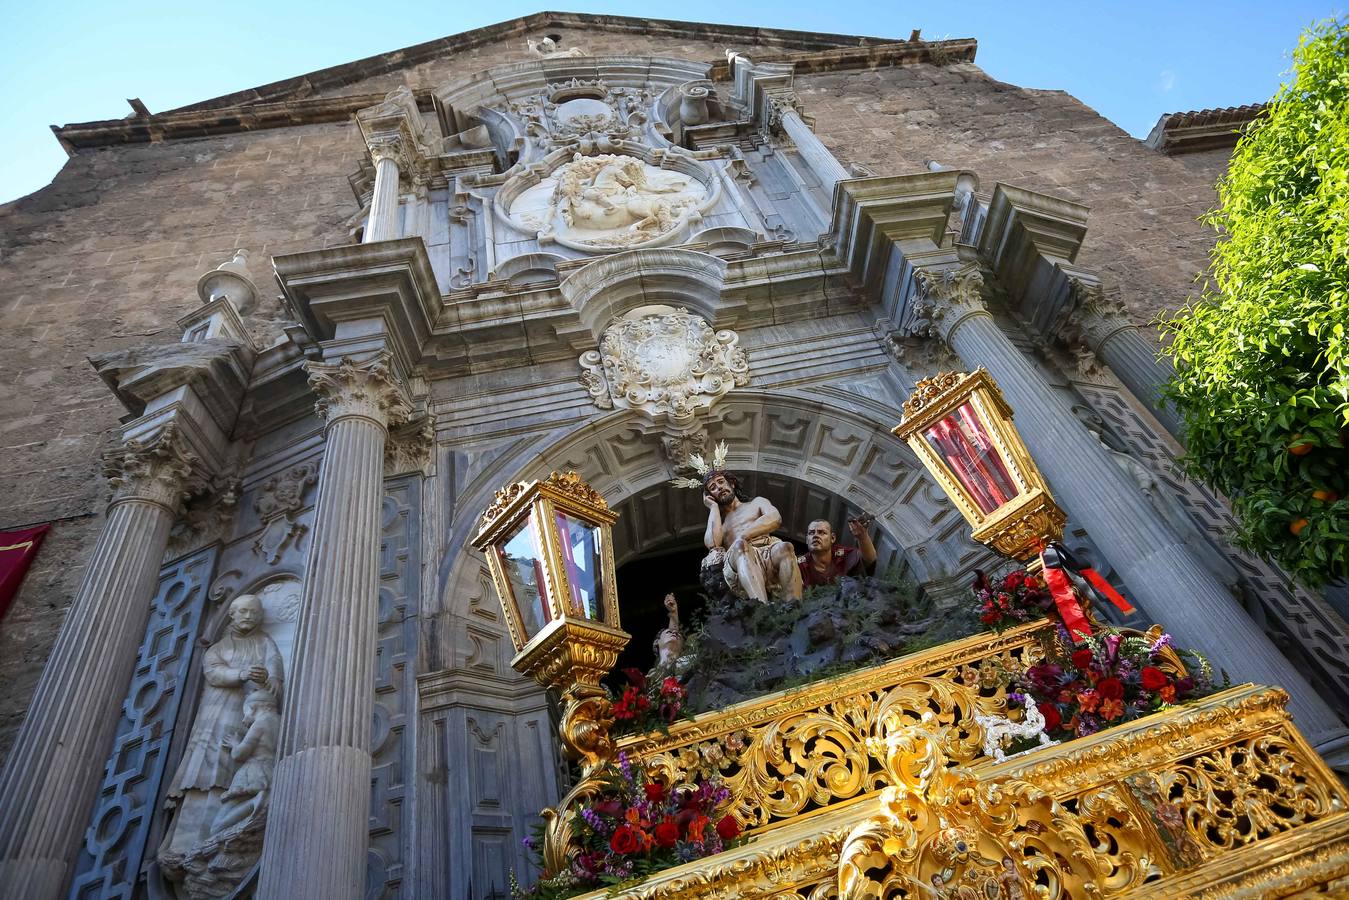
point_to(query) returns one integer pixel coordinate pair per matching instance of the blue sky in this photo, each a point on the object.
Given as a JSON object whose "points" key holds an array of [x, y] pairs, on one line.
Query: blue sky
{"points": [[74, 60]]}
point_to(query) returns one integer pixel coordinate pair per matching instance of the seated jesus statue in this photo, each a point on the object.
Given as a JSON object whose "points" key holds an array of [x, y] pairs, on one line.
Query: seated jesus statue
{"points": [[739, 535]]}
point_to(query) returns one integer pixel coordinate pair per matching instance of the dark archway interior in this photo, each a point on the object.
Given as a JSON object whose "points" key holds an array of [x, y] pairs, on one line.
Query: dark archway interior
{"points": [[658, 546]]}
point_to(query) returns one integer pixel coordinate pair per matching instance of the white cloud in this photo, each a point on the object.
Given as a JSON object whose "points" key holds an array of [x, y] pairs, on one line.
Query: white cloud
{"points": [[1166, 80]]}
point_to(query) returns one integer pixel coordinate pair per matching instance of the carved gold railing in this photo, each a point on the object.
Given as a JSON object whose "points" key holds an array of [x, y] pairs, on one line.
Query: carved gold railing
{"points": [[875, 785], [806, 749]]}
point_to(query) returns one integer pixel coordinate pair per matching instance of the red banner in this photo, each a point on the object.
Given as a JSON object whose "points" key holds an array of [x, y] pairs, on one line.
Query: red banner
{"points": [[17, 549]]}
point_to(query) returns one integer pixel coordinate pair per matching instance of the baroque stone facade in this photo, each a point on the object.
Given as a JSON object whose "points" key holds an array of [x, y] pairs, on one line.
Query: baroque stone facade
{"points": [[562, 242]]}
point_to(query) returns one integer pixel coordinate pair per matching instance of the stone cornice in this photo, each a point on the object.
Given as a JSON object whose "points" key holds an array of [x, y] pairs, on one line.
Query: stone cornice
{"points": [[292, 102], [338, 291], [195, 123], [407, 57], [1204, 129]]}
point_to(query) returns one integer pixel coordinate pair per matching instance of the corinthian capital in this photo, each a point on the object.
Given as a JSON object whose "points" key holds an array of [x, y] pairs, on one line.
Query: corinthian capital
{"points": [[944, 300], [389, 146], [1099, 314], [362, 389], [160, 469]]}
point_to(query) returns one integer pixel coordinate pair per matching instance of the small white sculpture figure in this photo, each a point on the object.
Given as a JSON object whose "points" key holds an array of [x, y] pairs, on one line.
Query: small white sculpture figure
{"points": [[255, 757], [998, 730], [548, 49], [669, 644]]}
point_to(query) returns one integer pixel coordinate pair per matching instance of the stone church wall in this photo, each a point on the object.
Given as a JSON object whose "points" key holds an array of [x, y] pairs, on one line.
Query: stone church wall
{"points": [[1143, 234], [108, 255]]}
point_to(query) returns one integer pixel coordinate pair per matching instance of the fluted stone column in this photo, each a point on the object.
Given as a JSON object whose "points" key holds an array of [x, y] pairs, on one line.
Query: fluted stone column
{"points": [[1164, 578], [383, 224], [1131, 355], [54, 770], [317, 828], [816, 155]]}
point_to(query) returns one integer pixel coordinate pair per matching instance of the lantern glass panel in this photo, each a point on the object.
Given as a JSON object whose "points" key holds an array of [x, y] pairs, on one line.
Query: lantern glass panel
{"points": [[522, 561], [579, 541], [963, 443]]}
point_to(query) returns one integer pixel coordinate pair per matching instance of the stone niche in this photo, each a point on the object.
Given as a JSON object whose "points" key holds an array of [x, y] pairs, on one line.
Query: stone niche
{"points": [[609, 201]]}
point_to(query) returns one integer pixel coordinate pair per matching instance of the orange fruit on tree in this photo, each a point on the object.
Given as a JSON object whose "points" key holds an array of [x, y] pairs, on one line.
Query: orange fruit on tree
{"points": [[1296, 527], [1325, 496], [1299, 446]]}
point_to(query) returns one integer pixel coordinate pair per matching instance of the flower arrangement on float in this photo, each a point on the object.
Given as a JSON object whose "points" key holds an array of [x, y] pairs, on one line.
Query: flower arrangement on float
{"points": [[648, 703], [1108, 679], [636, 826], [1014, 599]]}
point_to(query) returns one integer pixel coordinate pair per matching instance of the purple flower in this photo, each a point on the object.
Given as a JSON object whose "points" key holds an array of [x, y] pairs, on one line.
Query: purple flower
{"points": [[1163, 641]]}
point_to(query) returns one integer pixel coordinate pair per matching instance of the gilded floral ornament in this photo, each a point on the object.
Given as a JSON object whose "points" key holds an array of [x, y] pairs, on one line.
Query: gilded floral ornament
{"points": [[573, 485], [665, 362], [929, 390]]}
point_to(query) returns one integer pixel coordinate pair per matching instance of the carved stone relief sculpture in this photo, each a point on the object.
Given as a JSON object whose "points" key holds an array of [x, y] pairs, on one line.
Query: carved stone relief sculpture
{"points": [[220, 788], [665, 362], [611, 202], [278, 505], [547, 48]]}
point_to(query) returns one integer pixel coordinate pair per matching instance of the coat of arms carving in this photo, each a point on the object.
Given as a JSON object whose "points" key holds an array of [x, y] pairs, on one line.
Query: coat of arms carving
{"points": [[664, 361]]}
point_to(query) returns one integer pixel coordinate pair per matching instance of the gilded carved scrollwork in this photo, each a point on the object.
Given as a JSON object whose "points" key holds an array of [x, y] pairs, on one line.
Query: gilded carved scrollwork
{"points": [[1218, 798], [807, 751], [1247, 791]]}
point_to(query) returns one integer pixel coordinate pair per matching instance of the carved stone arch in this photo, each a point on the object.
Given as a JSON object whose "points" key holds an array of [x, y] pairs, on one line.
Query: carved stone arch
{"points": [[843, 447]]}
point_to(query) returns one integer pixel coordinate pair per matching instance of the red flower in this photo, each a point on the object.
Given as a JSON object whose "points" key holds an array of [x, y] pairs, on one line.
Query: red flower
{"points": [[696, 827], [728, 828], [624, 840], [654, 791], [1082, 658], [1110, 689], [1153, 678], [1051, 713], [666, 834], [671, 686], [611, 808]]}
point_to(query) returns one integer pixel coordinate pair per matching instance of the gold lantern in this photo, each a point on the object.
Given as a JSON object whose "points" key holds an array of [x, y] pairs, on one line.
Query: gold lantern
{"points": [[961, 428], [550, 548]]}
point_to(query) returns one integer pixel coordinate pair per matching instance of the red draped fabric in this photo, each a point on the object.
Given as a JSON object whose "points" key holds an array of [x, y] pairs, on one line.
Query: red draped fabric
{"points": [[17, 549]]}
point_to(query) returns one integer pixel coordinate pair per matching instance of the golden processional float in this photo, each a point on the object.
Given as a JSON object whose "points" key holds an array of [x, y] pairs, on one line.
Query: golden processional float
{"points": [[936, 774]]}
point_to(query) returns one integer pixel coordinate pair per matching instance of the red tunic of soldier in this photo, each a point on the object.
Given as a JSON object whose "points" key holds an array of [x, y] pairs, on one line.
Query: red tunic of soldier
{"points": [[824, 561]]}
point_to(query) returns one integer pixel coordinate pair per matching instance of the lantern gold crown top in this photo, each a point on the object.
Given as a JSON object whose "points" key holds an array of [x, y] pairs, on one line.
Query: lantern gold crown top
{"points": [[568, 484], [934, 397]]}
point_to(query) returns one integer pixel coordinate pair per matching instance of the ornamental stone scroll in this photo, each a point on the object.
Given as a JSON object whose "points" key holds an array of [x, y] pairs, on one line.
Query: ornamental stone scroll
{"points": [[664, 362]]}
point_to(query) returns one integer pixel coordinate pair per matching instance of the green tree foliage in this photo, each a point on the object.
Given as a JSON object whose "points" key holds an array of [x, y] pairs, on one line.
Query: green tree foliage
{"points": [[1263, 381]]}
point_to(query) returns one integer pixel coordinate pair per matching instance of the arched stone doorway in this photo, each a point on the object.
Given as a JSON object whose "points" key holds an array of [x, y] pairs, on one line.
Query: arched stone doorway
{"points": [[658, 545], [488, 750]]}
